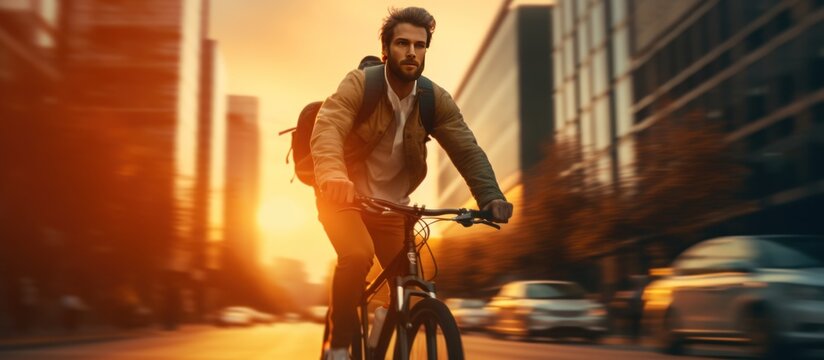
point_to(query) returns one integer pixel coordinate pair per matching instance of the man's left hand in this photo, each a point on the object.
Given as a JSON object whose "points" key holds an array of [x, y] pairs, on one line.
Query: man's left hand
{"points": [[501, 210]]}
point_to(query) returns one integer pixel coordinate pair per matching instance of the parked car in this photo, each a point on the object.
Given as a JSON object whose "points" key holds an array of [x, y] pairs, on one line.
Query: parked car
{"points": [[242, 316], [763, 291], [557, 309], [470, 314]]}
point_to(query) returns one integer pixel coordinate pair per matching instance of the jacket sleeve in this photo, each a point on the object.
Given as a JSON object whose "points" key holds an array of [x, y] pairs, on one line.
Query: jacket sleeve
{"points": [[460, 145], [332, 126]]}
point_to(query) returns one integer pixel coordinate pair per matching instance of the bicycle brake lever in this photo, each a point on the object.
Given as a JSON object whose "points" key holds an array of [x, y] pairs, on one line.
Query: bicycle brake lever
{"points": [[488, 223]]}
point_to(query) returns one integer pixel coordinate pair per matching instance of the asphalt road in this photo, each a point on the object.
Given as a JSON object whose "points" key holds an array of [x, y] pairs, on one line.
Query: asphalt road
{"points": [[300, 341]]}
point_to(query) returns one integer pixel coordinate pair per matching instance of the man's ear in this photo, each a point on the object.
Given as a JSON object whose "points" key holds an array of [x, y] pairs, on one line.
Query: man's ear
{"points": [[383, 54]]}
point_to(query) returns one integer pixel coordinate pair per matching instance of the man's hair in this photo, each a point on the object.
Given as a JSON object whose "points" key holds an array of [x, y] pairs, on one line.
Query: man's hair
{"points": [[411, 15]]}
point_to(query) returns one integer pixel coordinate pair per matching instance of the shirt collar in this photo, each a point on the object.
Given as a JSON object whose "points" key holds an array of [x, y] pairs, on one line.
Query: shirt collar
{"points": [[392, 91]]}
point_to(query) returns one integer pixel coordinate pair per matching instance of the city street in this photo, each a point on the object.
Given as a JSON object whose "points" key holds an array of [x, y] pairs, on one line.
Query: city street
{"points": [[299, 341]]}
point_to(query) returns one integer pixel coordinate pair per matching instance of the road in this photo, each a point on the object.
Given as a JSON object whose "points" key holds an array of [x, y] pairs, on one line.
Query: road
{"points": [[299, 341]]}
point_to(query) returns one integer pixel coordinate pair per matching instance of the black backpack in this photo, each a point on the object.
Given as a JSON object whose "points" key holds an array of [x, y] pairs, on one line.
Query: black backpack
{"points": [[374, 89]]}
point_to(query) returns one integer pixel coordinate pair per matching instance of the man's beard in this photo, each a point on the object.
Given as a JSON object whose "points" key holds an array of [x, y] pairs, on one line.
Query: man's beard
{"points": [[395, 68]]}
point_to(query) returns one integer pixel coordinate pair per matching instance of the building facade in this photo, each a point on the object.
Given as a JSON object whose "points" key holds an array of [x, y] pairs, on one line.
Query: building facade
{"points": [[506, 100], [757, 68], [29, 79]]}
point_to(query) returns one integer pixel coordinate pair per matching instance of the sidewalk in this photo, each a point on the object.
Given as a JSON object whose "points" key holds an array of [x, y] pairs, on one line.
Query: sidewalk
{"points": [[88, 335]]}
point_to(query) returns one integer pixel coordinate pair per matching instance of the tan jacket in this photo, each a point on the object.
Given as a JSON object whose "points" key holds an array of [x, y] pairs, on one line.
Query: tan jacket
{"points": [[330, 140]]}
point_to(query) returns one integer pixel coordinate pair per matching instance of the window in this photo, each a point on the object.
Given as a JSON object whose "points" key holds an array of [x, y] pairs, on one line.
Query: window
{"points": [[792, 252], [818, 114], [602, 123], [584, 86], [622, 107], [755, 39], [554, 291], [599, 72], [571, 106], [619, 11], [569, 19], [713, 256], [583, 41], [642, 114], [757, 91], [580, 8], [557, 31], [557, 72], [781, 22], [620, 46], [569, 58], [598, 24]]}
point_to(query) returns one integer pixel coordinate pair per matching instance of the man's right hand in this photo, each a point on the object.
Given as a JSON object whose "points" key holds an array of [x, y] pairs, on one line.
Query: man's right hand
{"points": [[338, 190]]}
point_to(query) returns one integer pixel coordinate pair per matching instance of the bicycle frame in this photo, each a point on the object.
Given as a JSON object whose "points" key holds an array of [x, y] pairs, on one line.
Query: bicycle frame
{"points": [[404, 287], [407, 283]]}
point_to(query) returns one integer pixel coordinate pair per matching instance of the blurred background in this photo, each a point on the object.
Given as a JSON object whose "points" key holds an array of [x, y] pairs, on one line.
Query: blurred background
{"points": [[143, 184]]}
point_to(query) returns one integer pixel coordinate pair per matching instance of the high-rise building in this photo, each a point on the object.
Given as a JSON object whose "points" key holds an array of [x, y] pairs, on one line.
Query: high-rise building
{"points": [[592, 89], [506, 99], [131, 85], [207, 231], [130, 106], [757, 68], [242, 185], [29, 77]]}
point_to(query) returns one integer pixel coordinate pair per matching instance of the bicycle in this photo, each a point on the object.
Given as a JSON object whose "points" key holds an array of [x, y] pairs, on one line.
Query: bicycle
{"points": [[427, 329]]}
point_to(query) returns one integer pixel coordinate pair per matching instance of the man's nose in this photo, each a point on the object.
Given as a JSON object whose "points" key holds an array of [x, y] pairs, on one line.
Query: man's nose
{"points": [[410, 52]]}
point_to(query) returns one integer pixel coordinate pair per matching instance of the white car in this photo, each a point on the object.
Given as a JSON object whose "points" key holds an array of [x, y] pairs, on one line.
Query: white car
{"points": [[470, 314], [237, 316], [556, 309], [766, 292]]}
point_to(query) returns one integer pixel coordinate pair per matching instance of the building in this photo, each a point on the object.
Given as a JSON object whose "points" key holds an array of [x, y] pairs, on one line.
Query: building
{"points": [[506, 100], [758, 67], [129, 101], [242, 184], [29, 77], [208, 193]]}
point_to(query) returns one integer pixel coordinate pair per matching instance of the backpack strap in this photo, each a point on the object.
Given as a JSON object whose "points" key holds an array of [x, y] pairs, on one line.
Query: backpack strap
{"points": [[373, 90], [427, 104]]}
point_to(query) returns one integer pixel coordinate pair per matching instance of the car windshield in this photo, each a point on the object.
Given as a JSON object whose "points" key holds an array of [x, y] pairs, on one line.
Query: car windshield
{"points": [[793, 252], [472, 304], [554, 291]]}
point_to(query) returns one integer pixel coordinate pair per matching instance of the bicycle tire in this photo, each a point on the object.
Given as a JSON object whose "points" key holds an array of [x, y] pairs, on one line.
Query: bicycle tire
{"points": [[434, 333]]}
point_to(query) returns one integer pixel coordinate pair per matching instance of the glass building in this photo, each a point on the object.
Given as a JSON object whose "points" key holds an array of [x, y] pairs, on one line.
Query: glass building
{"points": [[506, 100], [756, 67]]}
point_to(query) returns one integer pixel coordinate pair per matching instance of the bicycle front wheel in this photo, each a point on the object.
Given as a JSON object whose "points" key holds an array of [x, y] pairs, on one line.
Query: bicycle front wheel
{"points": [[434, 335]]}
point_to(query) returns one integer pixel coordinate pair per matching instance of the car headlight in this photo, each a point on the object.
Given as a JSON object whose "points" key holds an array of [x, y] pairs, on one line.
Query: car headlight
{"points": [[805, 292], [597, 312]]}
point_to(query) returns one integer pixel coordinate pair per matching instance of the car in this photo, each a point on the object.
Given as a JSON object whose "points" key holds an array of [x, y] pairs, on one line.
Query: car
{"points": [[470, 314], [766, 292], [241, 316], [543, 308]]}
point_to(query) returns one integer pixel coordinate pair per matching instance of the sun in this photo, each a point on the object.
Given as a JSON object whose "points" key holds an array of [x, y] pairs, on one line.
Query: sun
{"points": [[283, 213]]}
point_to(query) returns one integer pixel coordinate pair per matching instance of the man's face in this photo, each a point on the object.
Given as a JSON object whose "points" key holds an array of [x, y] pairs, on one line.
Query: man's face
{"points": [[407, 52]]}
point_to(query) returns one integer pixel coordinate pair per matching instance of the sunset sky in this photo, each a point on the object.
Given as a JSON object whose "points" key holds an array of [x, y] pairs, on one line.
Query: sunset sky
{"points": [[290, 53]]}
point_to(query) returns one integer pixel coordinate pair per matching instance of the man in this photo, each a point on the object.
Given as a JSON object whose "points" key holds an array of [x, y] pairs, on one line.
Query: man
{"points": [[395, 164]]}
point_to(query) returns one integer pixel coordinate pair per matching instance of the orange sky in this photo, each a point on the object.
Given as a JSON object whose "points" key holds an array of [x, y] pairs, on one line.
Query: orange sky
{"points": [[290, 53]]}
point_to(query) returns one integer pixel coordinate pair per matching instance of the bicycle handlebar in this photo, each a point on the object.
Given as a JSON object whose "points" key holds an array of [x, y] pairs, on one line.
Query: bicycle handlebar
{"points": [[465, 217]]}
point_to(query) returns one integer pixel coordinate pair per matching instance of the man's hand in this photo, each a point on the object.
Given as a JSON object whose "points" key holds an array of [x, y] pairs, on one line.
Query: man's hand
{"points": [[338, 190], [501, 210]]}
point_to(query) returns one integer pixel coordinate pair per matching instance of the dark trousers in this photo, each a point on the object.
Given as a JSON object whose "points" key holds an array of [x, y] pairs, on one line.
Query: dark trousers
{"points": [[357, 238]]}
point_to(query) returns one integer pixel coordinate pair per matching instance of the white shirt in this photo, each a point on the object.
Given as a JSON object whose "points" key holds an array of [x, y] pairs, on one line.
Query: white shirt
{"points": [[385, 178]]}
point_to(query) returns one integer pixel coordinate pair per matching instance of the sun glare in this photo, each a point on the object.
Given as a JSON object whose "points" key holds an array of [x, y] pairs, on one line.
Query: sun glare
{"points": [[282, 214]]}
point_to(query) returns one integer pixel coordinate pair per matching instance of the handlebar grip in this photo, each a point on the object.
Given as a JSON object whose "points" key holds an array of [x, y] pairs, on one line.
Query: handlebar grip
{"points": [[483, 214]]}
